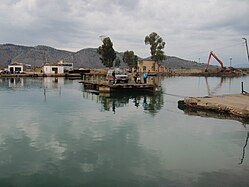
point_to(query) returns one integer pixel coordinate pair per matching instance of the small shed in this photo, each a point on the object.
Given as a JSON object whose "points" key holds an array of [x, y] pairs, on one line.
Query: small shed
{"points": [[16, 67], [53, 69]]}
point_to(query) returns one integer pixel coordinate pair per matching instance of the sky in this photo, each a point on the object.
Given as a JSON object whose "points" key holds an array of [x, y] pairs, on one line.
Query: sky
{"points": [[190, 28]]}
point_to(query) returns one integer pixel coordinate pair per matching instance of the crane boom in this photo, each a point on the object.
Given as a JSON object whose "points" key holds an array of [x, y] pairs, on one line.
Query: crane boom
{"points": [[209, 57]]}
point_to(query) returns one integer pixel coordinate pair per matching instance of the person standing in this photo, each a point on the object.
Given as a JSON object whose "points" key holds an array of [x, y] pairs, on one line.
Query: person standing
{"points": [[113, 77], [136, 76], [145, 75], [138, 80]]}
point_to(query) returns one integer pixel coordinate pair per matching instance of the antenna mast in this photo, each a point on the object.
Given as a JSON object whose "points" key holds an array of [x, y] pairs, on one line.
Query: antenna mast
{"points": [[246, 48]]}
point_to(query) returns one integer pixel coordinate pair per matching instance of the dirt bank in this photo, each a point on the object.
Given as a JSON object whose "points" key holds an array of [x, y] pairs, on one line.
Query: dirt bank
{"points": [[234, 104], [209, 72]]}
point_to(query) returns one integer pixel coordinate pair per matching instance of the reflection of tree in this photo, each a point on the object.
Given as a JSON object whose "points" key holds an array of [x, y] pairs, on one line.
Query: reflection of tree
{"points": [[156, 102], [150, 102]]}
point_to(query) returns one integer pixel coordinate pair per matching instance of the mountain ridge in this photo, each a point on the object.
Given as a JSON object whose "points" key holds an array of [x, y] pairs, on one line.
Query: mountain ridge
{"points": [[85, 58]]}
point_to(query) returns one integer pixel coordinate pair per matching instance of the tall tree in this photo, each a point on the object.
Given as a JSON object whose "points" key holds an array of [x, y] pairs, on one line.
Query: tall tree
{"points": [[130, 58], [156, 46], [117, 62], [106, 52]]}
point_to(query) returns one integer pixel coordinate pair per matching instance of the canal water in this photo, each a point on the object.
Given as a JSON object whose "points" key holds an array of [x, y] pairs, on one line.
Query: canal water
{"points": [[53, 133]]}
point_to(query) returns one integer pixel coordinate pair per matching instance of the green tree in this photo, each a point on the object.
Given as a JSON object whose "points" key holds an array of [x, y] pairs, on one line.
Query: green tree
{"points": [[117, 62], [156, 46], [106, 52], [130, 58]]}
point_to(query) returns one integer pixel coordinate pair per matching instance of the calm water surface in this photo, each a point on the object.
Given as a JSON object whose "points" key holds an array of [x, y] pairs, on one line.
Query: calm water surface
{"points": [[52, 133]]}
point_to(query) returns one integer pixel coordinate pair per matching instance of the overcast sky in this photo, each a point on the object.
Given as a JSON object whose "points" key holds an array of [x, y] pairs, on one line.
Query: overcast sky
{"points": [[190, 28]]}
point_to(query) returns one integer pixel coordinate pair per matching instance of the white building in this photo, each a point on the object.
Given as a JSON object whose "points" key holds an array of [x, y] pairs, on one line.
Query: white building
{"points": [[67, 66], [53, 69], [16, 67], [57, 68]]}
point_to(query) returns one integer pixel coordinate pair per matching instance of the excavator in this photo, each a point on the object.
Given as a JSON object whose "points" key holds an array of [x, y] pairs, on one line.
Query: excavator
{"points": [[229, 70], [209, 57]]}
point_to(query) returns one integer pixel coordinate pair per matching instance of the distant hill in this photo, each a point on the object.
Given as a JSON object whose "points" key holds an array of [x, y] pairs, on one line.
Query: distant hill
{"points": [[175, 62], [86, 58]]}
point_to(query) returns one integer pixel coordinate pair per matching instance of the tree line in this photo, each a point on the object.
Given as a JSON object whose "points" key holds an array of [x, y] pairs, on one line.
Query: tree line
{"points": [[109, 59]]}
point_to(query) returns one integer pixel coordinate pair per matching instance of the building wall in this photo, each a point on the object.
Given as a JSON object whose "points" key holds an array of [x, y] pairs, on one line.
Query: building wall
{"points": [[150, 65], [67, 66], [15, 68], [53, 69]]}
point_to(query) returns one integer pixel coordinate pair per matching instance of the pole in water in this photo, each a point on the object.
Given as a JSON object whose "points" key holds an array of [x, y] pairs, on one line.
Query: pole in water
{"points": [[242, 87]]}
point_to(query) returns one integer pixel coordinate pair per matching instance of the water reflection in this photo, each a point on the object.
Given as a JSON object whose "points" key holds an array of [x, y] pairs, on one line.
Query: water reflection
{"points": [[13, 83], [212, 114], [40, 82], [214, 90], [65, 142], [244, 149], [116, 160], [151, 102]]}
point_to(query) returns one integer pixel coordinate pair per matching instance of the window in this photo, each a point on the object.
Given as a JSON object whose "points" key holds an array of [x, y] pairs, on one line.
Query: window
{"points": [[153, 67], [18, 69]]}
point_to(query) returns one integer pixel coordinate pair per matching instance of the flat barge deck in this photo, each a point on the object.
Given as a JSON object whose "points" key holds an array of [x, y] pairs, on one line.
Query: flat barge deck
{"points": [[104, 87]]}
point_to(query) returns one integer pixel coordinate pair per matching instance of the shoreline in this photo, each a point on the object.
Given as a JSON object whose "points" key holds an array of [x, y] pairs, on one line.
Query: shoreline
{"points": [[197, 72], [39, 75], [234, 105]]}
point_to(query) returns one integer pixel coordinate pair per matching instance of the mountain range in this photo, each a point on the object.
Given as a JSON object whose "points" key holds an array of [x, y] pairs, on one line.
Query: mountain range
{"points": [[85, 58]]}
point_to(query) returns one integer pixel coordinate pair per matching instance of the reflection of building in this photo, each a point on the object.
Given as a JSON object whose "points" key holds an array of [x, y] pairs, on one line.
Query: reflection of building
{"points": [[16, 82], [53, 82], [150, 65], [57, 68]]}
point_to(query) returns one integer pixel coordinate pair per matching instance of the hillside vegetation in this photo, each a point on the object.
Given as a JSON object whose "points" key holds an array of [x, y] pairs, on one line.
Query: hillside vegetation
{"points": [[86, 58]]}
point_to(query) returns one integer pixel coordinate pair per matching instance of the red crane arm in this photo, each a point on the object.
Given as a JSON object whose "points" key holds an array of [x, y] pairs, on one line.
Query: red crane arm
{"points": [[212, 54]]}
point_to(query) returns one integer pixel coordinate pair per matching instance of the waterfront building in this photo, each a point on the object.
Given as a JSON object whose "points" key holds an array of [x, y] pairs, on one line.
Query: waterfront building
{"points": [[152, 66], [16, 67], [57, 68]]}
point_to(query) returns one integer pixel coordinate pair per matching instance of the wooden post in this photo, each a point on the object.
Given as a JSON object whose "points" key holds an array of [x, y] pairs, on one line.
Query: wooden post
{"points": [[242, 87]]}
